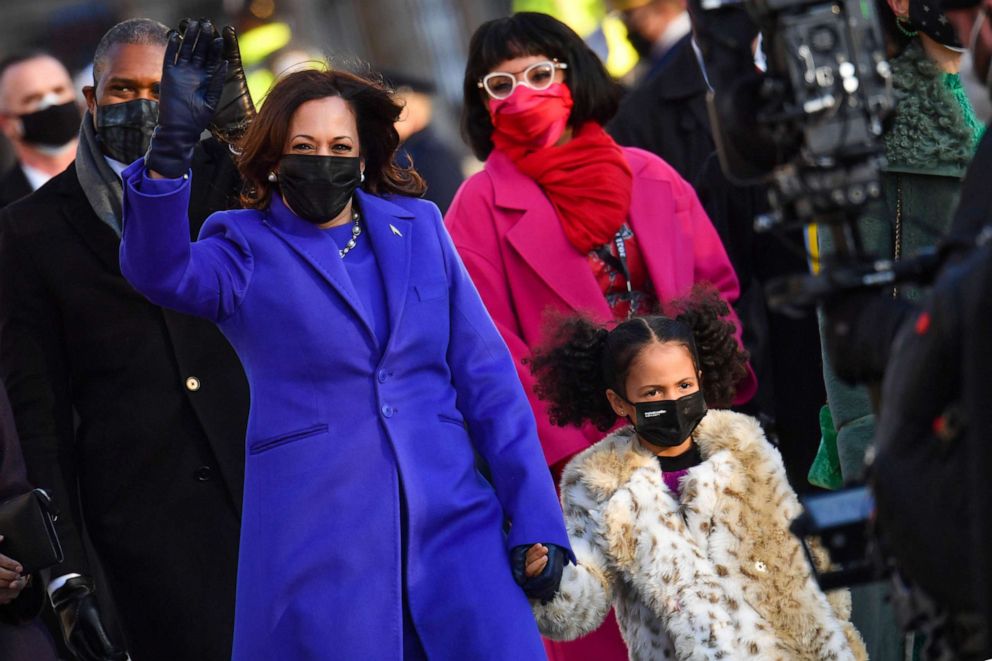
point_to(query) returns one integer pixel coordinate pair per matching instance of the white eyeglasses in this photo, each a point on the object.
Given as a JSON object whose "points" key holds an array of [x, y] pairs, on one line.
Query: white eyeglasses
{"points": [[538, 76]]}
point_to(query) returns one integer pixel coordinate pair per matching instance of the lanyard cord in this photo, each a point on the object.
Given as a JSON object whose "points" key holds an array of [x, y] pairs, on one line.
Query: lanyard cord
{"points": [[622, 253]]}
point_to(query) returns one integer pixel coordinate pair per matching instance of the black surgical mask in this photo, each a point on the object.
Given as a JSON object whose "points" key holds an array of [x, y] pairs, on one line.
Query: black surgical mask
{"points": [[318, 188], [669, 422], [125, 129], [52, 127], [642, 46]]}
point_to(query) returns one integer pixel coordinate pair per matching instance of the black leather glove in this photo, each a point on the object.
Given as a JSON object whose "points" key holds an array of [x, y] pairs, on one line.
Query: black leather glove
{"points": [[235, 110], [544, 586], [192, 80], [82, 629]]}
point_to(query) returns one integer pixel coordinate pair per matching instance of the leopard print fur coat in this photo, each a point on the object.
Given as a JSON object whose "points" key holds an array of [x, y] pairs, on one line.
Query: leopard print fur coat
{"points": [[715, 576]]}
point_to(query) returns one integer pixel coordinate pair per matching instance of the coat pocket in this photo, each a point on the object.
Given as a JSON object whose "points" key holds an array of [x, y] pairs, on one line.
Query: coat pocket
{"points": [[275, 441], [430, 291], [451, 420]]}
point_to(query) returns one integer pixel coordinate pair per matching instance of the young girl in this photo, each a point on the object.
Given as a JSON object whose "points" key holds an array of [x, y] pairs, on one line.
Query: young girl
{"points": [[681, 519]]}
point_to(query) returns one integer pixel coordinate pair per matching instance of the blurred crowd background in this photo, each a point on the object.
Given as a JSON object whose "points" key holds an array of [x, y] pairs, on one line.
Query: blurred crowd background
{"points": [[421, 44]]}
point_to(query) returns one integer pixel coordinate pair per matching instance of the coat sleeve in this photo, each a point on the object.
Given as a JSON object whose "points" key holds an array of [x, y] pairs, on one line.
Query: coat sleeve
{"points": [[206, 278], [36, 374], [712, 265], [472, 226], [493, 404], [587, 588]]}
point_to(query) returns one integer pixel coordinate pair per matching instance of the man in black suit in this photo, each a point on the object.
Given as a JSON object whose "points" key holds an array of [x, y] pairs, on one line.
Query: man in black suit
{"points": [[665, 112], [153, 463], [39, 115]]}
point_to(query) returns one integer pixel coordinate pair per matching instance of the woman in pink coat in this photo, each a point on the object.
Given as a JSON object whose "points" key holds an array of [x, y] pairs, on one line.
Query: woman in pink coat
{"points": [[562, 219]]}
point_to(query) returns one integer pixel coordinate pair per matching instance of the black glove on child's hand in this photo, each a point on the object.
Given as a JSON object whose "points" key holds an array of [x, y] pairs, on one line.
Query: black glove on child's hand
{"points": [[79, 617], [235, 110], [544, 586], [192, 80]]}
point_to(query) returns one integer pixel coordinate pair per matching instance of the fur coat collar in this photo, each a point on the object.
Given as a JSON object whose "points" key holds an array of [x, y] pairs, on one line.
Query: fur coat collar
{"points": [[716, 575]]}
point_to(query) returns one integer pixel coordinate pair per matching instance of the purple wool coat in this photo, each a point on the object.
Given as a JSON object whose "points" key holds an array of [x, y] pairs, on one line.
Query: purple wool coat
{"points": [[345, 435]]}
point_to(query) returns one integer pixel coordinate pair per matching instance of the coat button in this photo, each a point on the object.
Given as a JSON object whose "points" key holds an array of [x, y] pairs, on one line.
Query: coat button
{"points": [[383, 375], [203, 474], [388, 410], [192, 384]]}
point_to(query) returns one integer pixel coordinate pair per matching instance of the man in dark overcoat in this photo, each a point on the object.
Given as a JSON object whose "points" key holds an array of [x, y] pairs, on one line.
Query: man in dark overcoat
{"points": [[132, 415]]}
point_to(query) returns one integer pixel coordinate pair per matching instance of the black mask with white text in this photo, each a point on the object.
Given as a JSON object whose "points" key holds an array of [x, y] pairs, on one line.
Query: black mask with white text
{"points": [[125, 129], [318, 188], [669, 422]]}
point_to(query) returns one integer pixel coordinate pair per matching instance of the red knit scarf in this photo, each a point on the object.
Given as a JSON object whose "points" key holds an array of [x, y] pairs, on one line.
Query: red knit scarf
{"points": [[587, 180]]}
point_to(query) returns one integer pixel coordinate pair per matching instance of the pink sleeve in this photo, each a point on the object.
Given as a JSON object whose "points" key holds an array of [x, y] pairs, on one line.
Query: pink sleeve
{"points": [[712, 265], [471, 223]]}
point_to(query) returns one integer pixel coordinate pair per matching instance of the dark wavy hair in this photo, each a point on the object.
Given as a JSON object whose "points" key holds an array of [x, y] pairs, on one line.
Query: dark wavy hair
{"points": [[595, 94], [375, 114], [583, 359], [895, 40]]}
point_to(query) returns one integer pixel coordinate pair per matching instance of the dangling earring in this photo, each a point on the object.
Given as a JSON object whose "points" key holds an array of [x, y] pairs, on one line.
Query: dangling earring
{"points": [[362, 180], [272, 177], [902, 24]]}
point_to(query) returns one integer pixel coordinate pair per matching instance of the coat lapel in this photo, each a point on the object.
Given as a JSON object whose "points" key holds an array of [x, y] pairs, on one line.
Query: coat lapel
{"points": [[317, 250], [649, 203], [538, 238], [390, 232], [80, 215]]}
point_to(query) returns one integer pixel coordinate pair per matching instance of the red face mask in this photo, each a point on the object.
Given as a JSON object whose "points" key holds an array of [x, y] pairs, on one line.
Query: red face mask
{"points": [[530, 118]]}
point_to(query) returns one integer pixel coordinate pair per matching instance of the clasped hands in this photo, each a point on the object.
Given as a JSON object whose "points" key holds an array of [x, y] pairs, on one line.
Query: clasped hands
{"points": [[537, 568], [12, 580]]}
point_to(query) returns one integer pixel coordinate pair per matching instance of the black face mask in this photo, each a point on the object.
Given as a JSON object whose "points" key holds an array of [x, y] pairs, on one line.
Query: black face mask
{"points": [[125, 129], [642, 46], [667, 423], [928, 17], [53, 127], [317, 188]]}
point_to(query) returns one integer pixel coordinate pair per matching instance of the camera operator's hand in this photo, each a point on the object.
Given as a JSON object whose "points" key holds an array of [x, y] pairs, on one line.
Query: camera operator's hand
{"points": [[537, 568], [192, 81], [82, 628], [860, 327]]}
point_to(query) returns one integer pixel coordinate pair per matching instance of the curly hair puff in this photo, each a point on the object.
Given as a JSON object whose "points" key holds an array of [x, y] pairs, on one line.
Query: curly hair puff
{"points": [[719, 356], [582, 359], [569, 373]]}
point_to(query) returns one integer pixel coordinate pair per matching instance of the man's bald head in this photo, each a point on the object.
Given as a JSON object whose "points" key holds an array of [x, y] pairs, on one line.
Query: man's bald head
{"points": [[28, 78], [132, 32]]}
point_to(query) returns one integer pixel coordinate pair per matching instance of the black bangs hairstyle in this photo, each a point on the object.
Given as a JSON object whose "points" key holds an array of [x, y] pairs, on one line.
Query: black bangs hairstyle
{"points": [[595, 94]]}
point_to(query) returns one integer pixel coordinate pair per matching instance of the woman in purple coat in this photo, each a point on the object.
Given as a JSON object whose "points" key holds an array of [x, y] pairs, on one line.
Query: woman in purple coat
{"points": [[367, 531]]}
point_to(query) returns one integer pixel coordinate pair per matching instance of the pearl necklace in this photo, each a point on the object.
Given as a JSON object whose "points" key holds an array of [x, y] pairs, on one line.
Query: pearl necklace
{"points": [[356, 230]]}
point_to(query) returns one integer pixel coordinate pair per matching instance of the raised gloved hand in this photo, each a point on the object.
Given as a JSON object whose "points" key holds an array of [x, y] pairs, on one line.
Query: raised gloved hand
{"points": [[82, 628], [235, 110], [537, 568], [192, 81]]}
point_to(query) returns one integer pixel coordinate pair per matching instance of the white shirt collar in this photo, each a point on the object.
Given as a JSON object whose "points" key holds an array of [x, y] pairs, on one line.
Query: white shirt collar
{"points": [[36, 178], [678, 28], [115, 165]]}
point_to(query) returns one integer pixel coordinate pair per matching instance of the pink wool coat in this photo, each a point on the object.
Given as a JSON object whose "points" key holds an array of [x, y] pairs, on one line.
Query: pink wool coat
{"points": [[509, 236]]}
